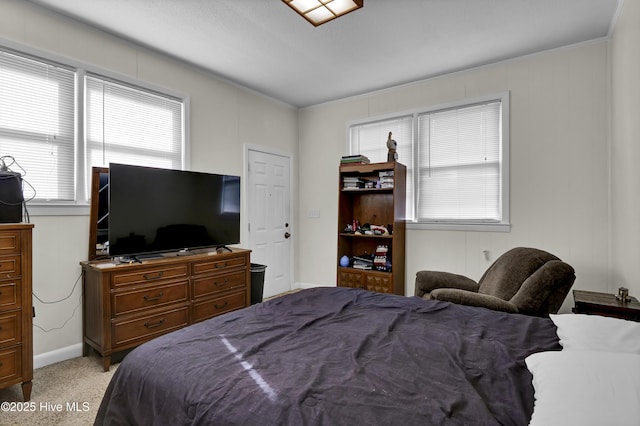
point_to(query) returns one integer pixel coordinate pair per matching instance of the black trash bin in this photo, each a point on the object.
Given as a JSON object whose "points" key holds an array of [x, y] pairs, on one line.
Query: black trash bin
{"points": [[257, 282]]}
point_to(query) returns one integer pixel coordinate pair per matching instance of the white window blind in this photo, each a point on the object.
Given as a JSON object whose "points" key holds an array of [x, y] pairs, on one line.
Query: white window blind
{"points": [[132, 125], [460, 164], [370, 139], [37, 127], [456, 157]]}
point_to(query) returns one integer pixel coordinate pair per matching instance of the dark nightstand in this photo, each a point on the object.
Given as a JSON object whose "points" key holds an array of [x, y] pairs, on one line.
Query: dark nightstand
{"points": [[590, 302]]}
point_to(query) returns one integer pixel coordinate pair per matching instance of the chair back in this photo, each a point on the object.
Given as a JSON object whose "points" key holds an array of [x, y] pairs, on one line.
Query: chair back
{"points": [[535, 281]]}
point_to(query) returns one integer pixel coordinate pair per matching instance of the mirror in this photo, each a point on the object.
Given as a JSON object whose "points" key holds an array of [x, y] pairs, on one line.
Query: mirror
{"points": [[99, 213]]}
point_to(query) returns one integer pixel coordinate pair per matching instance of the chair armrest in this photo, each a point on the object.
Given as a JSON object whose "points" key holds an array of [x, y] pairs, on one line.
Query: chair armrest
{"points": [[427, 281], [469, 298], [544, 291]]}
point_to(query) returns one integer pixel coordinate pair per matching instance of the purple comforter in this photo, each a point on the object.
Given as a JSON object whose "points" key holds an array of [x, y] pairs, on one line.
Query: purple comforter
{"points": [[335, 356]]}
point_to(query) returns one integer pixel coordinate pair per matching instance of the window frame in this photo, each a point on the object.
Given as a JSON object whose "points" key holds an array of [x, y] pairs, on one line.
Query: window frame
{"points": [[504, 225], [82, 203]]}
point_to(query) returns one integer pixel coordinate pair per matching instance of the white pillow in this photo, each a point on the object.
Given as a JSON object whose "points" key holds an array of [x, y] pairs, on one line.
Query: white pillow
{"points": [[597, 333], [585, 388]]}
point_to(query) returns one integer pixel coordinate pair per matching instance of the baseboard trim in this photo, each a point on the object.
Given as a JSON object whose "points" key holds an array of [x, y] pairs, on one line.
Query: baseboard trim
{"points": [[58, 355]]}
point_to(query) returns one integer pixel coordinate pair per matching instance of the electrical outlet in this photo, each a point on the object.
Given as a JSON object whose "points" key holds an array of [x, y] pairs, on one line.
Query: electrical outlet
{"points": [[313, 213]]}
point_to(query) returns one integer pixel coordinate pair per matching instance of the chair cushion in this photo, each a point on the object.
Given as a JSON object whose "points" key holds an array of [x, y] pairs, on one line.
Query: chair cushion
{"points": [[545, 290]]}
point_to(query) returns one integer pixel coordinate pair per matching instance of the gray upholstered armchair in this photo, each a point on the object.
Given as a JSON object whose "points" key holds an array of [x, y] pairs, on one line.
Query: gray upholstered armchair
{"points": [[522, 280]]}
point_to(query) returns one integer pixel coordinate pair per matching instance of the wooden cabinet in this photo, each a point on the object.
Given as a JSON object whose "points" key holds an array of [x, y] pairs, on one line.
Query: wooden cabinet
{"points": [[372, 200], [16, 308], [125, 305], [605, 304]]}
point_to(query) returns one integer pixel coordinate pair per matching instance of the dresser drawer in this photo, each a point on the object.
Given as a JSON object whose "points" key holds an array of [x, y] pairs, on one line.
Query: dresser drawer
{"points": [[10, 266], [10, 328], [210, 308], [218, 265], [145, 328], [10, 364], [150, 274], [218, 283], [10, 294], [151, 296], [10, 242]]}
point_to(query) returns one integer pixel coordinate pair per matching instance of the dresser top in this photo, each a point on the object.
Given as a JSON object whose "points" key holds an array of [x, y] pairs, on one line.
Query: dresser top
{"points": [[22, 225]]}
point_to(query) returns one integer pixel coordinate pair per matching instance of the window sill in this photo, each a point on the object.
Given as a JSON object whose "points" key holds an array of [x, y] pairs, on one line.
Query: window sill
{"points": [[477, 227], [58, 209]]}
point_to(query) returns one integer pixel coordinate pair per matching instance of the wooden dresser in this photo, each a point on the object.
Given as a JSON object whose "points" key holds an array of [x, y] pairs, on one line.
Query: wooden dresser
{"points": [[16, 307], [126, 305]]}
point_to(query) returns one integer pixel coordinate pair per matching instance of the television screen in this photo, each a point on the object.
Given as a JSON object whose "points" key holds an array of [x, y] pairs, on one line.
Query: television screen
{"points": [[154, 210]]}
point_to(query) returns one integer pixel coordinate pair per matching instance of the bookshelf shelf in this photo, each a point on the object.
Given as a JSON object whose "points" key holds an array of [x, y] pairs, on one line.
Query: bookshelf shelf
{"points": [[348, 235]]}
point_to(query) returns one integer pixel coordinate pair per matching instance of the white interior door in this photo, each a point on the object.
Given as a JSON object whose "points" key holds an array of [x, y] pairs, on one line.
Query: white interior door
{"points": [[269, 205]]}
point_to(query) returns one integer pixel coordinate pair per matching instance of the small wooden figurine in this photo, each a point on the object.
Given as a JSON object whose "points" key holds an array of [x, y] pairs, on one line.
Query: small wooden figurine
{"points": [[392, 155]]}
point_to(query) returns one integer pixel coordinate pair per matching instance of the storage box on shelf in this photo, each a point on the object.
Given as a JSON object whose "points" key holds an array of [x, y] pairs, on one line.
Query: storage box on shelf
{"points": [[371, 226]]}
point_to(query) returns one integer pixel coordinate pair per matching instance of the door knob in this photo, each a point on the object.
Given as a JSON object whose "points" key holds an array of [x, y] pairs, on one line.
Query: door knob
{"points": [[287, 235]]}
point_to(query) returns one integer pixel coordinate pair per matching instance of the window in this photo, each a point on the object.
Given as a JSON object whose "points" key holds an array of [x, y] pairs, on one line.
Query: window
{"points": [[130, 125], [457, 161], [370, 139], [58, 120], [37, 124]]}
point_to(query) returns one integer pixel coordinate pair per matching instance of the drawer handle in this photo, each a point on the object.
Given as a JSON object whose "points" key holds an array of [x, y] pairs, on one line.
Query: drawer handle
{"points": [[158, 324], [224, 305], [154, 298], [225, 282], [221, 265], [153, 277]]}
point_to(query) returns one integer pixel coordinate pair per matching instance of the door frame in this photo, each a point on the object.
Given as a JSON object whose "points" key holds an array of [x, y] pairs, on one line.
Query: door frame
{"points": [[245, 235]]}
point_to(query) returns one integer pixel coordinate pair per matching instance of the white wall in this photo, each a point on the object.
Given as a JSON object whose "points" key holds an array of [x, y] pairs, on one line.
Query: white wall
{"points": [[625, 150], [559, 167], [223, 118]]}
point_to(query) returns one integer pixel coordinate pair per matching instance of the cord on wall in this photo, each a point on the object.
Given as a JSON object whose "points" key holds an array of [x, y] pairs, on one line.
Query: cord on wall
{"points": [[58, 301]]}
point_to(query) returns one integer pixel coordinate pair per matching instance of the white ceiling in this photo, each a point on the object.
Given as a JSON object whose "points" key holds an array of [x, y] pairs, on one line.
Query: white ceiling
{"points": [[265, 46]]}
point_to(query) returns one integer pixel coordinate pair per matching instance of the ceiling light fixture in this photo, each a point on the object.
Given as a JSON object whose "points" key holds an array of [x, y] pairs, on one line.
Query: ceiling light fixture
{"points": [[317, 12]]}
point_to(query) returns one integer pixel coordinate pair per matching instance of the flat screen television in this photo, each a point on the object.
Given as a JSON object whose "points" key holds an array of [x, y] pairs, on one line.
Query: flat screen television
{"points": [[153, 210]]}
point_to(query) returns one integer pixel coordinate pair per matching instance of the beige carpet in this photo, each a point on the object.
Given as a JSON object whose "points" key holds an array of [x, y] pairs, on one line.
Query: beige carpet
{"points": [[65, 393]]}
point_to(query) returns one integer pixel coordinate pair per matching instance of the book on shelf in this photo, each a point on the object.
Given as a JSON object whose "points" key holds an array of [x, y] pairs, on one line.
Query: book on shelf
{"points": [[386, 178], [365, 259], [365, 267], [353, 182], [362, 262], [358, 158]]}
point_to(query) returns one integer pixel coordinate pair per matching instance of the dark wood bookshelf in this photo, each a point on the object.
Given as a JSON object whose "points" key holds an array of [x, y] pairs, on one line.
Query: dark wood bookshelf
{"points": [[374, 206]]}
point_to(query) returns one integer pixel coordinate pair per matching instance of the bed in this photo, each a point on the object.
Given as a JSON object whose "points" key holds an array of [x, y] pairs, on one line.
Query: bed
{"points": [[336, 356]]}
